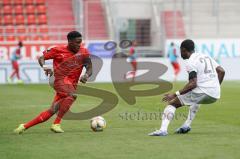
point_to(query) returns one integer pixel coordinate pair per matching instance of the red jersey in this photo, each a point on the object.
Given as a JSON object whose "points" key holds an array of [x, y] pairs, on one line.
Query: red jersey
{"points": [[67, 66]]}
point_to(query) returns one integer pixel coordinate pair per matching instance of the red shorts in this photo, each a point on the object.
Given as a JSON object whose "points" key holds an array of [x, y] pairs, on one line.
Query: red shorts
{"points": [[176, 67], [134, 64], [15, 65]]}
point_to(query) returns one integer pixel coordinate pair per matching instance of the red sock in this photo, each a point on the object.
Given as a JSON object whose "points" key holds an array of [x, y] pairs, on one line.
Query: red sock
{"points": [[64, 106], [39, 119]]}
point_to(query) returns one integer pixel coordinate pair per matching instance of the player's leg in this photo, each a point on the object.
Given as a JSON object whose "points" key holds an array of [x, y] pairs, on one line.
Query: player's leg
{"points": [[176, 69], [64, 106], [167, 117], [17, 70], [42, 117], [17, 73], [186, 127], [196, 100], [134, 65], [13, 73]]}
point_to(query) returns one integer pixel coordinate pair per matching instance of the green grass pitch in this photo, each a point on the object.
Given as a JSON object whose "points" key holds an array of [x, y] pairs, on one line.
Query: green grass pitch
{"points": [[215, 131]]}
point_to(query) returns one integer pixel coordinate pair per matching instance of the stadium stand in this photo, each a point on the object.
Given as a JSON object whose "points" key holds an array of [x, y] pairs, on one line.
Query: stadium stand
{"points": [[95, 21], [18, 16], [171, 18]]}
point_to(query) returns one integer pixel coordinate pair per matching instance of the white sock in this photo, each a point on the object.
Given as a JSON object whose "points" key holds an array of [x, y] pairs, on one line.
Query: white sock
{"points": [[191, 114], [167, 116]]}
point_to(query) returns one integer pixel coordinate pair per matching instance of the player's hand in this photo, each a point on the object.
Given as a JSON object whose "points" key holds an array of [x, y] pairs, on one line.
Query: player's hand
{"points": [[48, 71], [168, 97], [84, 78]]}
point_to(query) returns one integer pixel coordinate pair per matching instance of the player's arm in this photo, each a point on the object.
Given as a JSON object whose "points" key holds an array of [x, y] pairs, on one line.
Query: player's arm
{"points": [[221, 73], [47, 69], [47, 54], [88, 65], [41, 61], [192, 83]]}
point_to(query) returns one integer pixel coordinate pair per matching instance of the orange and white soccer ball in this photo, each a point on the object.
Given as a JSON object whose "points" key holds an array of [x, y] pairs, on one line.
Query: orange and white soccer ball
{"points": [[98, 123]]}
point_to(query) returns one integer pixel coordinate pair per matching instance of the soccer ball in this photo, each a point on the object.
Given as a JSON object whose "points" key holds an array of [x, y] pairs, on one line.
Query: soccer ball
{"points": [[97, 123]]}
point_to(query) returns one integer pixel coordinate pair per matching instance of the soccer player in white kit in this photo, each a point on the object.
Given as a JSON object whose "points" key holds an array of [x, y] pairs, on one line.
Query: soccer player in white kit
{"points": [[205, 78]]}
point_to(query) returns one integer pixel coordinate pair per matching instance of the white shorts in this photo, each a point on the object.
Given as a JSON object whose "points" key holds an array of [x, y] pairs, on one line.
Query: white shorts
{"points": [[191, 98]]}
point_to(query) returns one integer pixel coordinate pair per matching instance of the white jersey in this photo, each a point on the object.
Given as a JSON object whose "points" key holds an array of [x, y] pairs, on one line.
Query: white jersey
{"points": [[207, 77]]}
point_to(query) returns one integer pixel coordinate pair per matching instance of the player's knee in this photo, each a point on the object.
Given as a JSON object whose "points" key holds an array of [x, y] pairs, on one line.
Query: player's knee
{"points": [[52, 111], [74, 96]]}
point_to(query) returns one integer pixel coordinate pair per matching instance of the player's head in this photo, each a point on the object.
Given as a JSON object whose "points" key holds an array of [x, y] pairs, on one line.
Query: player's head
{"points": [[187, 48], [134, 43], [74, 41], [172, 44], [20, 44]]}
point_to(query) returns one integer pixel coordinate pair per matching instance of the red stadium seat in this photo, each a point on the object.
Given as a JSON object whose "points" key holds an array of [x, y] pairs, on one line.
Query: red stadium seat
{"points": [[30, 9], [19, 9], [22, 38], [7, 9], [33, 29], [41, 9], [17, 2], [6, 2], [10, 29], [20, 20], [1, 38], [42, 19], [45, 37], [36, 37], [1, 30], [21, 29], [8, 20], [31, 19], [43, 29], [11, 38], [38, 2], [29, 2]]}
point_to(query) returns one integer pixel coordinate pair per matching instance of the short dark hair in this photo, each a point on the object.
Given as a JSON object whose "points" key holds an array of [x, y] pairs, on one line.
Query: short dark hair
{"points": [[73, 34], [20, 43], [188, 44]]}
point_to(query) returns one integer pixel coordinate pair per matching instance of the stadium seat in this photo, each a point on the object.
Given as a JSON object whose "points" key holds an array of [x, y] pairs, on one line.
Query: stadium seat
{"points": [[18, 2], [11, 38], [29, 2], [20, 20], [31, 19], [41, 9], [10, 29], [39, 2], [22, 38], [8, 20], [45, 37], [21, 29], [7, 9], [1, 30], [43, 29], [6, 2], [32, 29], [18, 9], [1, 38], [36, 37], [42, 19], [30, 9]]}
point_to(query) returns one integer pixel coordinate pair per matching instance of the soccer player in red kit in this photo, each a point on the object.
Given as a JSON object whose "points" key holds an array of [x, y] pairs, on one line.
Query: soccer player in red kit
{"points": [[68, 62], [16, 55], [172, 55], [133, 60]]}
